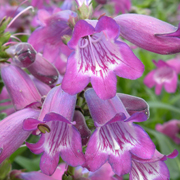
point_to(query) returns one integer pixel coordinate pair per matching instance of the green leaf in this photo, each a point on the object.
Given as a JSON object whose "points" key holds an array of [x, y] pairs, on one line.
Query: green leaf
{"points": [[28, 164], [166, 147], [160, 105], [5, 168], [2, 116], [18, 152]]}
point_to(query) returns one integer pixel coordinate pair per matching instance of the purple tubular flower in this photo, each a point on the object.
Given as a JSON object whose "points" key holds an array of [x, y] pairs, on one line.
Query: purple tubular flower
{"points": [[154, 168], [165, 74], [171, 129], [20, 87], [63, 138], [47, 73], [99, 57], [149, 33], [12, 135], [116, 138]]}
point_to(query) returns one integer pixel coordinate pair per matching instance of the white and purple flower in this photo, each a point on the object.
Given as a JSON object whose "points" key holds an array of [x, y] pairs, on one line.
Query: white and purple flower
{"points": [[62, 138], [98, 57], [116, 138]]}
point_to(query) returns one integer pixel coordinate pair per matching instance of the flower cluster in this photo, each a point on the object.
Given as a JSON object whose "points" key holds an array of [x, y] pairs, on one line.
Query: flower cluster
{"points": [[66, 74]]}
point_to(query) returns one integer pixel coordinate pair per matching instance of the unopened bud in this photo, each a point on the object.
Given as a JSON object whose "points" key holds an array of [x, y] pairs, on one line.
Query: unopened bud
{"points": [[23, 54]]}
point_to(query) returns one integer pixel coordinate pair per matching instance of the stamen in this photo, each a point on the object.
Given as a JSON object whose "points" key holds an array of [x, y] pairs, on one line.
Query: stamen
{"points": [[98, 39], [19, 6], [14, 37], [26, 9], [9, 43], [85, 45], [21, 34]]}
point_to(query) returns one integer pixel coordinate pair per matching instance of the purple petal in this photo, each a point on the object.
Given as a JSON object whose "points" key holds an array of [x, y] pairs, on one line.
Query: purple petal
{"points": [[12, 134], [37, 148], [48, 163], [81, 29], [144, 147], [42, 16], [74, 78], [105, 87], [57, 101], [103, 110], [170, 86], [105, 172], [73, 154], [120, 163], [130, 67], [116, 118], [108, 26], [55, 117], [137, 117], [134, 104], [175, 63], [158, 89], [95, 157], [172, 34], [30, 124], [149, 79], [34, 175], [154, 171]]}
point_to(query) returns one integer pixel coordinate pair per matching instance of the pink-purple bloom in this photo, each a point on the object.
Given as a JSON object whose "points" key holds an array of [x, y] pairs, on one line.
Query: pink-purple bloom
{"points": [[166, 74], [171, 129], [98, 57], [116, 138], [149, 33], [63, 139]]}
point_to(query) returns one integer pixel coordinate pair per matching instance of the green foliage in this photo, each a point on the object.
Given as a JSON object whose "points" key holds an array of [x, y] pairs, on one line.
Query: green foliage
{"points": [[28, 164], [4, 37], [5, 168]]}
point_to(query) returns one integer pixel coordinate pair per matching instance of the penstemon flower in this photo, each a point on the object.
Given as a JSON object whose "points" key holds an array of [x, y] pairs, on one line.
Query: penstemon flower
{"points": [[62, 138], [116, 138], [98, 57], [171, 129], [165, 75], [149, 33]]}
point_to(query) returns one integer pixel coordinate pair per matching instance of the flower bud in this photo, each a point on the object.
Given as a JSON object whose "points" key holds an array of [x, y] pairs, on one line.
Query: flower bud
{"points": [[23, 54]]}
